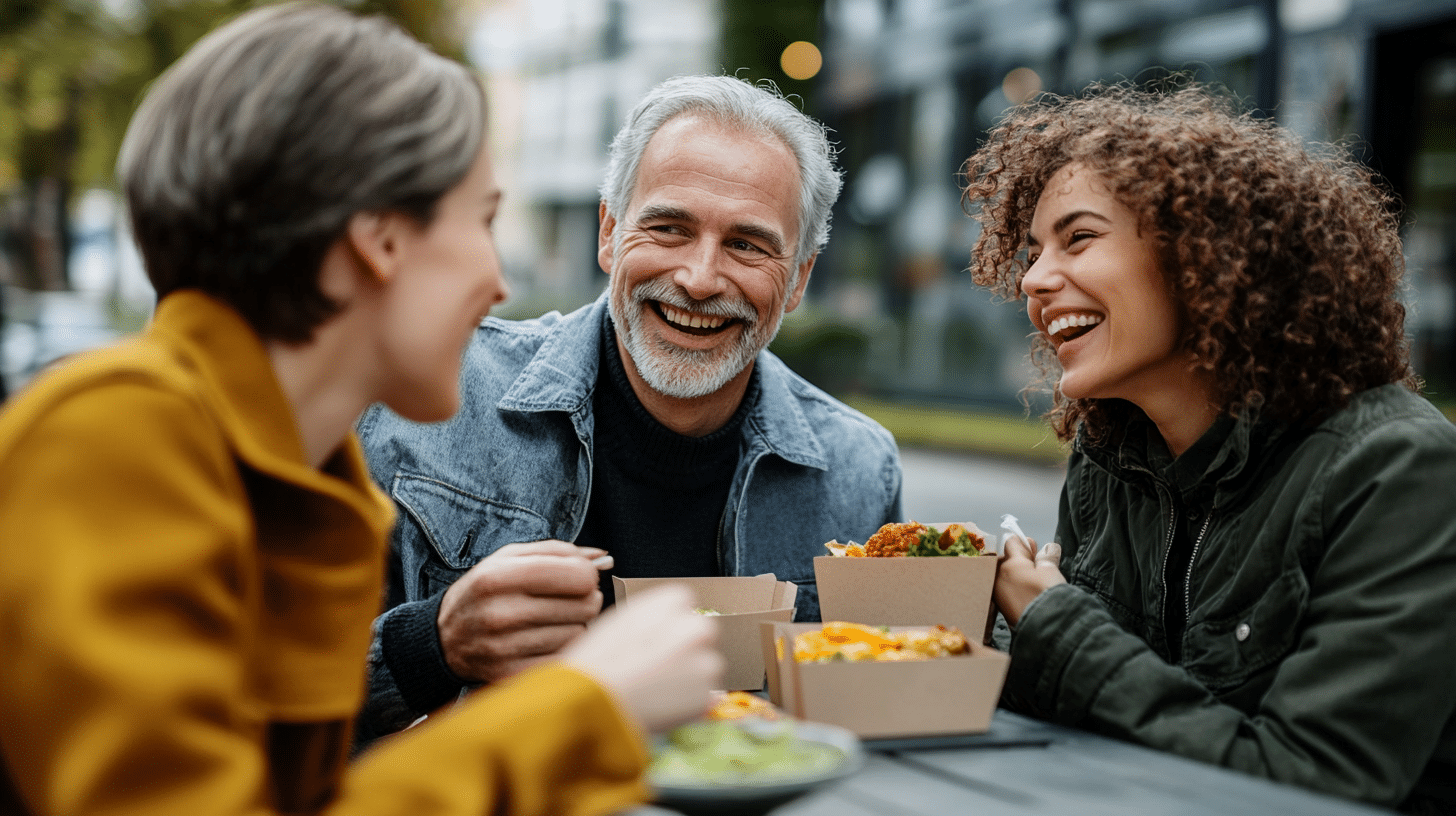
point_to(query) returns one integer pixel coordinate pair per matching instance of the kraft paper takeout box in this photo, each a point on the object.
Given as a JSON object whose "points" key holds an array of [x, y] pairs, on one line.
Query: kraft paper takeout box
{"points": [[744, 602], [911, 591], [912, 698]]}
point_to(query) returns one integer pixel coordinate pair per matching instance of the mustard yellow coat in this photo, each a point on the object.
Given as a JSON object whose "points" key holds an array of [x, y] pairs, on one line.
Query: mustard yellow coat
{"points": [[185, 608]]}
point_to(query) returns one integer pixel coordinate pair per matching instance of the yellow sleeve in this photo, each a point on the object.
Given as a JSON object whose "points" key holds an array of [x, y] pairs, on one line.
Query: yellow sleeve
{"points": [[123, 622], [127, 617], [548, 741]]}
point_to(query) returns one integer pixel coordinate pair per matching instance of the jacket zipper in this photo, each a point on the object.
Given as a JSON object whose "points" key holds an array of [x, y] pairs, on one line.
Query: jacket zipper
{"points": [[1167, 551], [1188, 579]]}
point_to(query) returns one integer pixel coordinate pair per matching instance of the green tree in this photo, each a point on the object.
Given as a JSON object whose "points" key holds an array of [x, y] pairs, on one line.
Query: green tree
{"points": [[72, 72]]}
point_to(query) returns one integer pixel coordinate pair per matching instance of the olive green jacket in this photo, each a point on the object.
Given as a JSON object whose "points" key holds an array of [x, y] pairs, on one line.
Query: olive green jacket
{"points": [[1320, 644]]}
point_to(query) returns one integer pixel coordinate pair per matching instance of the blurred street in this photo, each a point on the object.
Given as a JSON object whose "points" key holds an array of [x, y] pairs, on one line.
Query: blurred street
{"points": [[41, 327]]}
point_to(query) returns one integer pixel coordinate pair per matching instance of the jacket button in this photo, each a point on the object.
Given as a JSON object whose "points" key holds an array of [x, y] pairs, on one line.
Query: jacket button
{"points": [[1242, 632]]}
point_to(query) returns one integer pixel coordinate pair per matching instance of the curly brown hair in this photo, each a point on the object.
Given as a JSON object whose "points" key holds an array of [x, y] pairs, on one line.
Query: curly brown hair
{"points": [[1285, 256]]}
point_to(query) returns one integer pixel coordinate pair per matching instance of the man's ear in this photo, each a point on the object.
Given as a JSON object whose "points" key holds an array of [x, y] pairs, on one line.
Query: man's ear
{"points": [[608, 225], [798, 294], [376, 241]]}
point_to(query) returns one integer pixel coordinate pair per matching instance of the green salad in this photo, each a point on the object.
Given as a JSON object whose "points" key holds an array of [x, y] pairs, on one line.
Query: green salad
{"points": [[724, 752], [955, 541]]}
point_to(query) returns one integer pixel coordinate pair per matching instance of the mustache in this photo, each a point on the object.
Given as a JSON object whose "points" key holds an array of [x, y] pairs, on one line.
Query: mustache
{"points": [[673, 295]]}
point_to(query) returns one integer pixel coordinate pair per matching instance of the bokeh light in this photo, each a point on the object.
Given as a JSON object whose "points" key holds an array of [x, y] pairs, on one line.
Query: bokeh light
{"points": [[801, 60], [1020, 85]]}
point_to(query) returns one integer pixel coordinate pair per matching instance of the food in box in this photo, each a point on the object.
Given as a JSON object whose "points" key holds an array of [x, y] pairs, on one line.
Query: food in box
{"points": [[908, 591], [914, 539], [955, 694], [838, 640]]}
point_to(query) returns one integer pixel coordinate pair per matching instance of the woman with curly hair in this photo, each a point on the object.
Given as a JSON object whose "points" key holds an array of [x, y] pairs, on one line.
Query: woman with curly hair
{"points": [[1255, 562]]}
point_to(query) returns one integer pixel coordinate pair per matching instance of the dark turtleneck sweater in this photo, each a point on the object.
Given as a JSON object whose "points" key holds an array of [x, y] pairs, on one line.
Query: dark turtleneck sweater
{"points": [[657, 497]]}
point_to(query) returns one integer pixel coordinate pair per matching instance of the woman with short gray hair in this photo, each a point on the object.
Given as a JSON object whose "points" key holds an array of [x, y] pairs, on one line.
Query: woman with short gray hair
{"points": [[237, 191], [191, 549]]}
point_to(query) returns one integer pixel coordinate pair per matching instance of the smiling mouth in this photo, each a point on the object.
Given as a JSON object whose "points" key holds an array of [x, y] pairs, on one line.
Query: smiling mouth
{"points": [[1070, 327], [694, 324]]}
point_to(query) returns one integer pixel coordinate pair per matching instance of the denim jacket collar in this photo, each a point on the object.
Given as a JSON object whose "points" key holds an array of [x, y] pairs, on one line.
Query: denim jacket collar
{"points": [[564, 371]]}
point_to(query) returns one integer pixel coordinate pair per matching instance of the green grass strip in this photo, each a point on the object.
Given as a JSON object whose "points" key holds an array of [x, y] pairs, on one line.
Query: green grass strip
{"points": [[962, 430], [971, 431]]}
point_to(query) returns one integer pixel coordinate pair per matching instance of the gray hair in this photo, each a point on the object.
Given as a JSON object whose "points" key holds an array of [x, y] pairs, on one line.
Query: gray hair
{"points": [[251, 153], [742, 105]]}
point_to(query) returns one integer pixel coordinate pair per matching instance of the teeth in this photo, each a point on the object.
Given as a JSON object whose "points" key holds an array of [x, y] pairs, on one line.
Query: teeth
{"points": [[1065, 322], [692, 321]]}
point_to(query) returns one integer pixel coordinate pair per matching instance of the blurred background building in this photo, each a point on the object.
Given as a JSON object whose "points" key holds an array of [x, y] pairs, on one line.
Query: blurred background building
{"points": [[892, 321], [911, 86]]}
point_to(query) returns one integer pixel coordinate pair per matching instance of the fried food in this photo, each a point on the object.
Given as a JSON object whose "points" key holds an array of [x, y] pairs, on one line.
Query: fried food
{"points": [[893, 540], [914, 539], [838, 640], [735, 705]]}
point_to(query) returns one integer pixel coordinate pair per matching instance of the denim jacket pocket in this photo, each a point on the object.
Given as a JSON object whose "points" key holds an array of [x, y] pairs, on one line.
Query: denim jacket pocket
{"points": [[461, 527], [1224, 652]]}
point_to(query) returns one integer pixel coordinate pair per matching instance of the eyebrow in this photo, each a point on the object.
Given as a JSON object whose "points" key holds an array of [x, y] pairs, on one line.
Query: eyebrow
{"points": [[667, 212], [1064, 221]]}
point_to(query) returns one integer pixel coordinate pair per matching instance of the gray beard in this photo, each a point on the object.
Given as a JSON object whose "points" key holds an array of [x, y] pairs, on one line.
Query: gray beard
{"points": [[683, 373]]}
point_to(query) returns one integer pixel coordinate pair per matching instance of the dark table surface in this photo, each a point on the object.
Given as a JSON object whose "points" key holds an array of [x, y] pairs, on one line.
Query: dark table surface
{"points": [[1023, 766]]}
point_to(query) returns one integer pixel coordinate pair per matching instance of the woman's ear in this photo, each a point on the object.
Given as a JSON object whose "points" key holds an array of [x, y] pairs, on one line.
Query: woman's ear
{"points": [[375, 240]]}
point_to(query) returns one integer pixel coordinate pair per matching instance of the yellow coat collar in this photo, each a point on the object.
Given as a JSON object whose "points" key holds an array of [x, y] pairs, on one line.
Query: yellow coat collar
{"points": [[321, 537]]}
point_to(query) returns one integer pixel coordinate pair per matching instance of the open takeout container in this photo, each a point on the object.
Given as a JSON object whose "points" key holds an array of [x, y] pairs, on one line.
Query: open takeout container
{"points": [[742, 603], [911, 698], [912, 591]]}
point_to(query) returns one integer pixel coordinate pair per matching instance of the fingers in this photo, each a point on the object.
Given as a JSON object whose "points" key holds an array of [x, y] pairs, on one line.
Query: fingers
{"points": [[533, 574], [491, 659], [486, 640], [655, 655], [671, 607], [1014, 546], [510, 613], [548, 546], [1022, 576], [599, 557], [520, 603], [1049, 556]]}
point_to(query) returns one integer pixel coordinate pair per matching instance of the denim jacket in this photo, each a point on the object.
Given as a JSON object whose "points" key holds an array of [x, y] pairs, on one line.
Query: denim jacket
{"points": [[515, 465]]}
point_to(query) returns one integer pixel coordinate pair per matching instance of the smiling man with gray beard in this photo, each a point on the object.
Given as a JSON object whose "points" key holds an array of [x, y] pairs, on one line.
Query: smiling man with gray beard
{"points": [[647, 434]]}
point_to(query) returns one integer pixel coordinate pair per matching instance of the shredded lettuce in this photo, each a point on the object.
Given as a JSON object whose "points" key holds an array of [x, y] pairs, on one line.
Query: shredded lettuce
{"points": [[928, 543]]}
